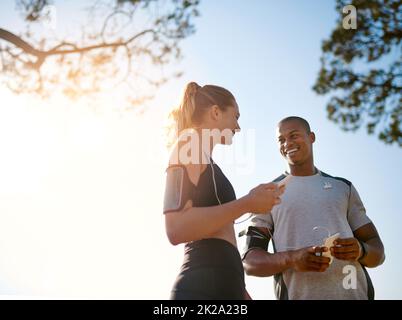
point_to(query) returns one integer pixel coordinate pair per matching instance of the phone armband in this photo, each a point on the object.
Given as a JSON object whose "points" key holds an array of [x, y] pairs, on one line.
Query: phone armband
{"points": [[176, 189]]}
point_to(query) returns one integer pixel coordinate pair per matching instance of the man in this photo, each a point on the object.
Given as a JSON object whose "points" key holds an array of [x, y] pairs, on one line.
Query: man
{"points": [[314, 206]]}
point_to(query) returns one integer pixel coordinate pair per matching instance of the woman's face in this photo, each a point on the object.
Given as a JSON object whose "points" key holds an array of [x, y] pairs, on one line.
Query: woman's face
{"points": [[228, 123]]}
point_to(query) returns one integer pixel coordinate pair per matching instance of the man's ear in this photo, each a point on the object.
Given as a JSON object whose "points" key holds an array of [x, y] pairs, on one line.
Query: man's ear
{"points": [[312, 137]]}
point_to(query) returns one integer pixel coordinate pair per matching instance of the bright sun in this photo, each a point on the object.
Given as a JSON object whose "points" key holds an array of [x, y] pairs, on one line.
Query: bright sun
{"points": [[77, 190]]}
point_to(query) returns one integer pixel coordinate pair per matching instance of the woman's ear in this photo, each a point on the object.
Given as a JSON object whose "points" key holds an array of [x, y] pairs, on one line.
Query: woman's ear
{"points": [[215, 112]]}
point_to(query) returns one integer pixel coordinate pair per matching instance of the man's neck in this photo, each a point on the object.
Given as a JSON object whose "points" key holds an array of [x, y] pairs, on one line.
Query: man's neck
{"points": [[305, 169]]}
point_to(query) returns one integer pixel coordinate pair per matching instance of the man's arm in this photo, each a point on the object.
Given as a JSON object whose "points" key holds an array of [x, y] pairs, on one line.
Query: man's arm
{"points": [[373, 247], [258, 262], [366, 246]]}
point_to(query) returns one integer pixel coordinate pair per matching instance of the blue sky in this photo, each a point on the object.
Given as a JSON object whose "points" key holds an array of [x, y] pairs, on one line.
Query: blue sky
{"points": [[267, 53]]}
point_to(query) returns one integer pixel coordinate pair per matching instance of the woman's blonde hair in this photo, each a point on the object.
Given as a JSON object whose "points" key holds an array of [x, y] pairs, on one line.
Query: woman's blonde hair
{"points": [[195, 101]]}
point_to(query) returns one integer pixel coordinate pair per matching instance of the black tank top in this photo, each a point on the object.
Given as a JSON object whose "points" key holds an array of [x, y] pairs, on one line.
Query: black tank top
{"points": [[203, 194]]}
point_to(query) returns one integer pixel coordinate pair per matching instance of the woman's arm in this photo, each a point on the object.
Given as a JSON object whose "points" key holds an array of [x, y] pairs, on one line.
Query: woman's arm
{"points": [[192, 224], [195, 223]]}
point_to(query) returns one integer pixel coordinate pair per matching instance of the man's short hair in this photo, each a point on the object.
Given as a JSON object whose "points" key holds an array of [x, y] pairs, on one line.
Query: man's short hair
{"points": [[304, 122]]}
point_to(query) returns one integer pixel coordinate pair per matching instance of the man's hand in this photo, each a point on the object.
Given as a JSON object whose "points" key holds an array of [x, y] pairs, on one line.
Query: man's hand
{"points": [[347, 249], [305, 259]]}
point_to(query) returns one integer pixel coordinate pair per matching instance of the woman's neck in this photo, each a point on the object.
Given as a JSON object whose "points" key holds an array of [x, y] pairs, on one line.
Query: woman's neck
{"points": [[206, 143]]}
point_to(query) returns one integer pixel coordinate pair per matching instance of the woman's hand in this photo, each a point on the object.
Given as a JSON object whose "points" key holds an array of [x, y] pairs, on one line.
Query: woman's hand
{"points": [[262, 198]]}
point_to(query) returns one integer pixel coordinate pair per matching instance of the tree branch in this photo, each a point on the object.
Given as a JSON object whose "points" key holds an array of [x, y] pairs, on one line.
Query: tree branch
{"points": [[99, 46], [42, 55], [18, 42]]}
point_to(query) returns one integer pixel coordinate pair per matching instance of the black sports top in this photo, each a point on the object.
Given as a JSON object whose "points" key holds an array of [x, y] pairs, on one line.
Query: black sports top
{"points": [[203, 194], [212, 267], [179, 188]]}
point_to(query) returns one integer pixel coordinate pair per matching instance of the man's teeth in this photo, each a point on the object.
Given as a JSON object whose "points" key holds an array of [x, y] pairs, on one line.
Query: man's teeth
{"points": [[291, 151]]}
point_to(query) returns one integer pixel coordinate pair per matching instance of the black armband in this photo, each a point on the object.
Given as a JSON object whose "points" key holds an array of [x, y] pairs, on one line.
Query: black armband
{"points": [[178, 189], [255, 239]]}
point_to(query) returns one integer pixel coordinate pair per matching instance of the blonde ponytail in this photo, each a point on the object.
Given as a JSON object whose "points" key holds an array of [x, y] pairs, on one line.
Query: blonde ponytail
{"points": [[182, 115], [195, 101]]}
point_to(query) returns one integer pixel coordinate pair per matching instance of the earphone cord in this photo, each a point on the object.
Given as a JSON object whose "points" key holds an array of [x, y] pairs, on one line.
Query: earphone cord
{"points": [[250, 215], [213, 178], [216, 192]]}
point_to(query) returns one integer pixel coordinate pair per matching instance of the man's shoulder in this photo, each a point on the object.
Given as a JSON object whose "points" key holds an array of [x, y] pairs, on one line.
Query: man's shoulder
{"points": [[326, 175]]}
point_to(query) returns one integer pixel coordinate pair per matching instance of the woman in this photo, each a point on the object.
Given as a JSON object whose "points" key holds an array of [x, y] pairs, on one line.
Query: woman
{"points": [[200, 204]]}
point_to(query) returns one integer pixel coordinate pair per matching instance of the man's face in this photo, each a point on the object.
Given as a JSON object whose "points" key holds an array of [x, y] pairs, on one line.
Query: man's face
{"points": [[295, 143]]}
